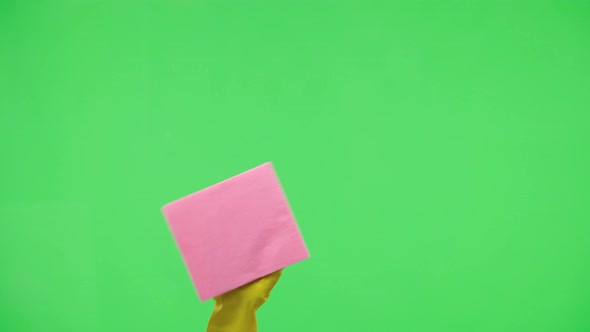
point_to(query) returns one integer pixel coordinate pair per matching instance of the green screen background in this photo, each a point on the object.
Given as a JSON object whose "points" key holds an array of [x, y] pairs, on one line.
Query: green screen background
{"points": [[435, 153]]}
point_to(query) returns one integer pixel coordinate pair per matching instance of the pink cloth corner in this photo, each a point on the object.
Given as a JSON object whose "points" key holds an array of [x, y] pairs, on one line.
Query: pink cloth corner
{"points": [[235, 231]]}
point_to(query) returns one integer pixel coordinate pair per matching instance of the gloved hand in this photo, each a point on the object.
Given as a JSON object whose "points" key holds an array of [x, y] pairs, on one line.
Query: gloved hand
{"points": [[235, 311]]}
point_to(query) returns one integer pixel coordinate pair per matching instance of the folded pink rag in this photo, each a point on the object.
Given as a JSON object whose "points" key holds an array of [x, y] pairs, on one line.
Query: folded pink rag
{"points": [[236, 231]]}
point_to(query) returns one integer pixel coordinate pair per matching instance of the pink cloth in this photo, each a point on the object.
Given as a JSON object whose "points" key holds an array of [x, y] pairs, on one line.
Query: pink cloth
{"points": [[236, 231]]}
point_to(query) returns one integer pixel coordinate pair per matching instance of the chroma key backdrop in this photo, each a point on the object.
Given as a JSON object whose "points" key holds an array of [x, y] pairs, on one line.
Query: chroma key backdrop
{"points": [[435, 154]]}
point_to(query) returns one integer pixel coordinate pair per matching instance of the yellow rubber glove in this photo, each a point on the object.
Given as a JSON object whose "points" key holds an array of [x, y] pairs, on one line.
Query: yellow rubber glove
{"points": [[235, 311]]}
